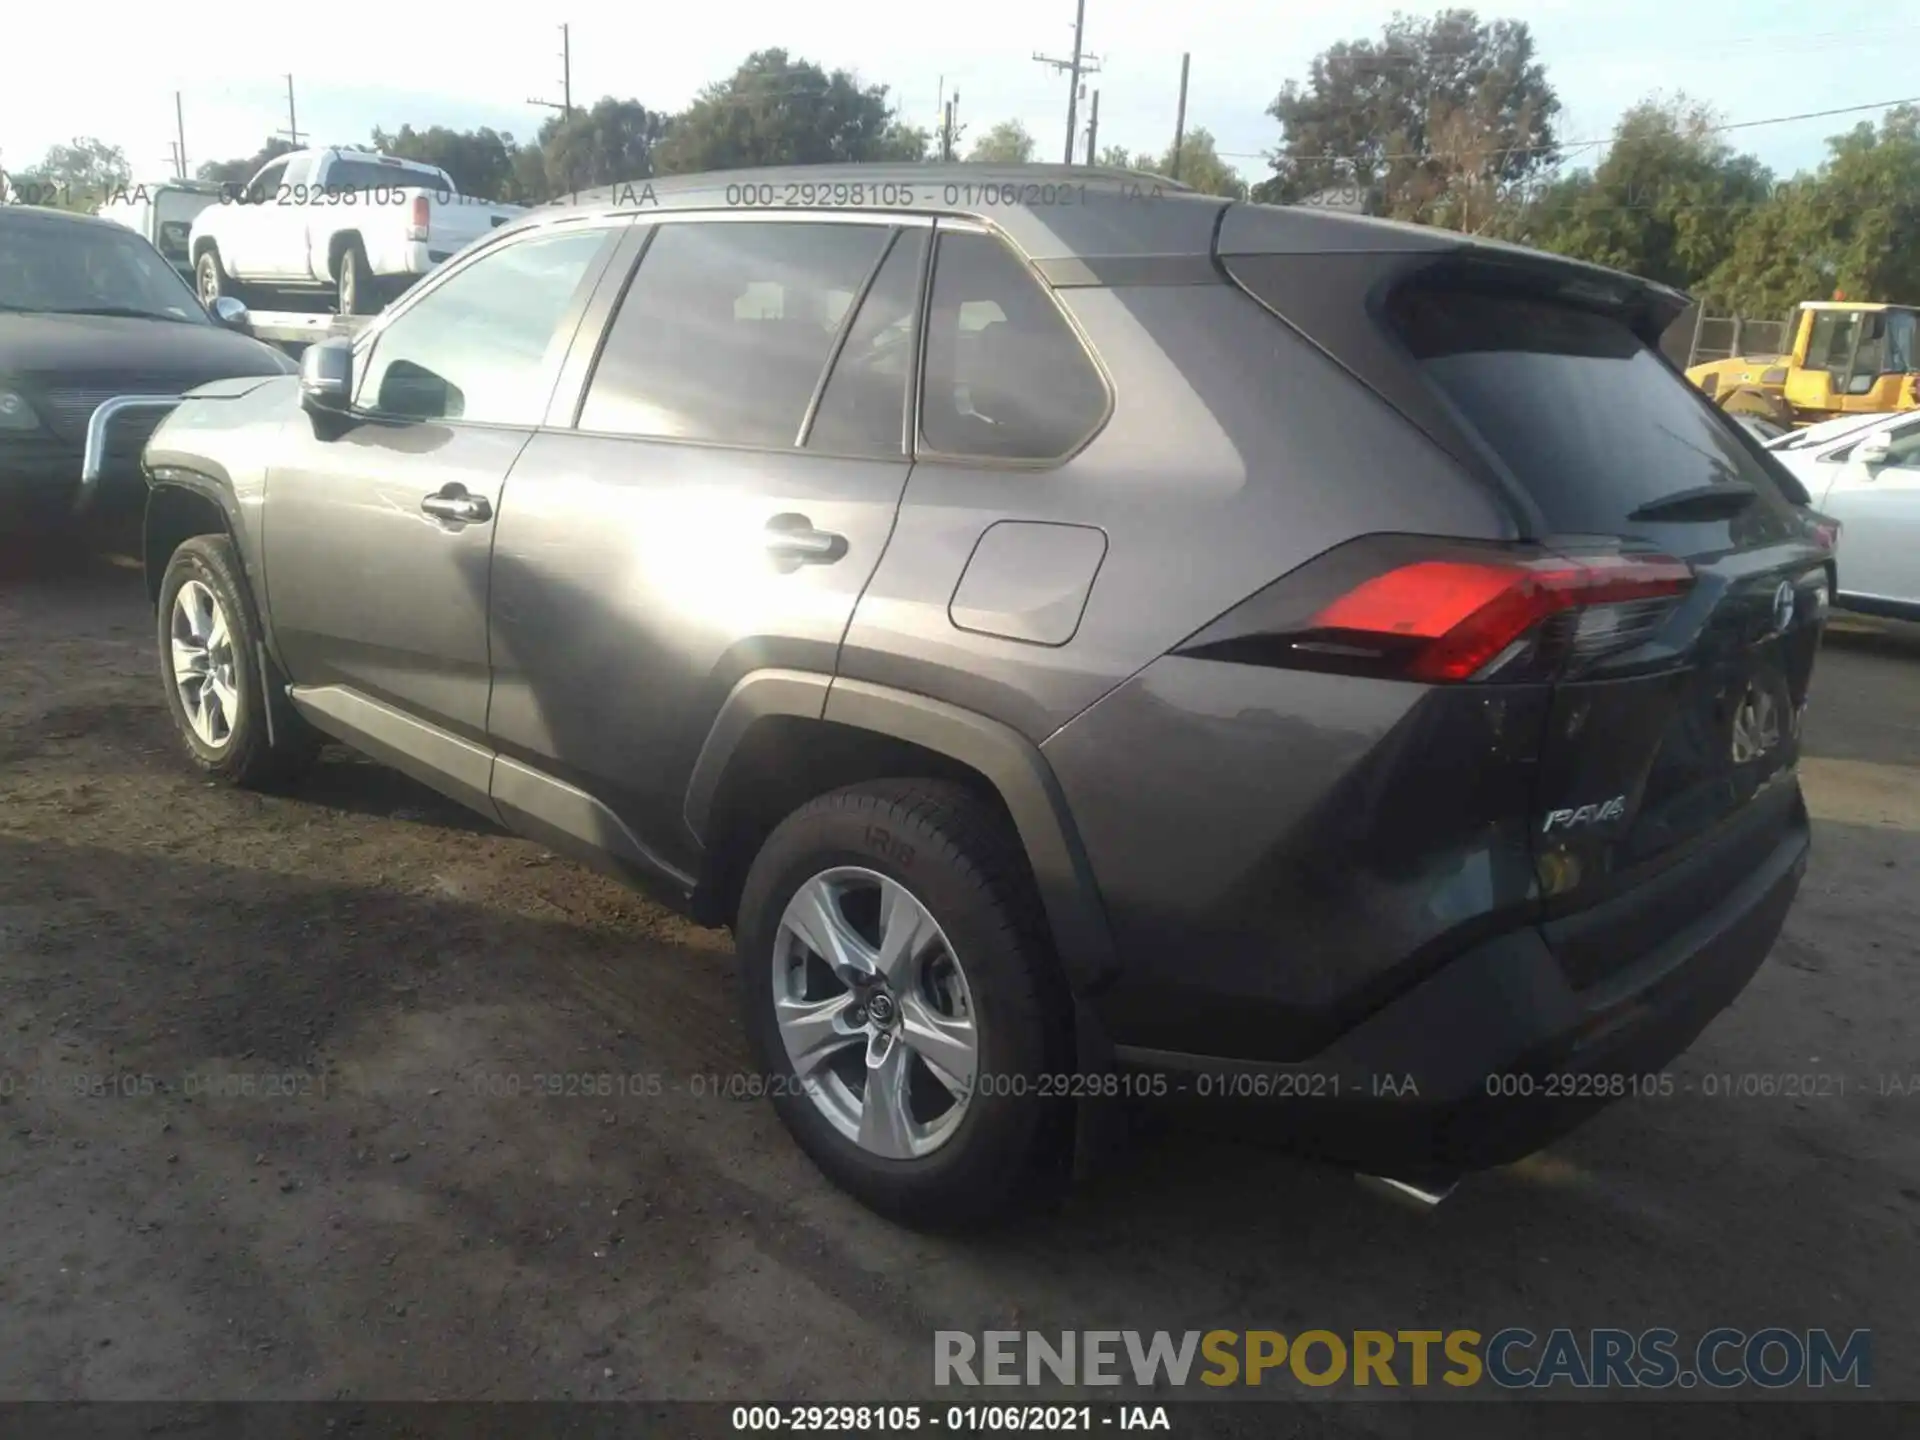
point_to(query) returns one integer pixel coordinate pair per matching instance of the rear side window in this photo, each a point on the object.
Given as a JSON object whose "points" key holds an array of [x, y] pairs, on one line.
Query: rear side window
{"points": [[726, 329], [1006, 377], [1583, 413]]}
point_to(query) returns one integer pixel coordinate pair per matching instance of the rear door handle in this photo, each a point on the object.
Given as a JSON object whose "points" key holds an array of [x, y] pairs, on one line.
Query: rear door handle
{"points": [[792, 537], [454, 503]]}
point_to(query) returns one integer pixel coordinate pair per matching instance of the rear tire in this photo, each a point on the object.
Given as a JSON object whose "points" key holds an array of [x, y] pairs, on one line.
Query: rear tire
{"points": [[355, 285], [1003, 1145], [211, 662]]}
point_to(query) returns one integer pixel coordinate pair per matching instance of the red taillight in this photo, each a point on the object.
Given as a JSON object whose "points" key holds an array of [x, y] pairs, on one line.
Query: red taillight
{"points": [[421, 219], [1451, 619]]}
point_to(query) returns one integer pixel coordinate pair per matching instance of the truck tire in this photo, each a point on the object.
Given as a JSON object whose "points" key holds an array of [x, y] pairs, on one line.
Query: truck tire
{"points": [[211, 279], [977, 995], [218, 676], [354, 283]]}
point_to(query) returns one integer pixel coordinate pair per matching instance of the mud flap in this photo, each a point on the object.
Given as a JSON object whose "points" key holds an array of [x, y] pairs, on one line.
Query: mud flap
{"points": [[1100, 1127]]}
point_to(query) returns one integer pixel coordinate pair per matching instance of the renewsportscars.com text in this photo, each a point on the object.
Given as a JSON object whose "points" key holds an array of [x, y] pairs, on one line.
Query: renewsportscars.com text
{"points": [[1513, 1358]]}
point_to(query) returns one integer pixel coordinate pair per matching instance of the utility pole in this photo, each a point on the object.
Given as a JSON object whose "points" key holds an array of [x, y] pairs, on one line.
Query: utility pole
{"points": [[292, 132], [1081, 64], [180, 133], [1180, 117], [1093, 127], [565, 104]]}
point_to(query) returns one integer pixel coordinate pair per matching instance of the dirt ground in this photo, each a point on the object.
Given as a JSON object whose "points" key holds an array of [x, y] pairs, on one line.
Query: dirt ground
{"points": [[269, 1125]]}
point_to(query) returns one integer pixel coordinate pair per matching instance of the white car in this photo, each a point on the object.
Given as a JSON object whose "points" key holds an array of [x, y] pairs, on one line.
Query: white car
{"points": [[1864, 471], [352, 223]]}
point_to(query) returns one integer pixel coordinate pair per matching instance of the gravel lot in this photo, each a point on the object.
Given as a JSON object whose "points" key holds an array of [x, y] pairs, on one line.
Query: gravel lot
{"points": [[404, 1225]]}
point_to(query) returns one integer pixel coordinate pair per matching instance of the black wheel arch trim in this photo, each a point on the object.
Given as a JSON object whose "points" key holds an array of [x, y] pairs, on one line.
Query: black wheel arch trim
{"points": [[1011, 763], [217, 494]]}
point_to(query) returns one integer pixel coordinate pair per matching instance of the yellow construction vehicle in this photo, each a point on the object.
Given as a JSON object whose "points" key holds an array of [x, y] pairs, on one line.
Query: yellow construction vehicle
{"points": [[1837, 357]]}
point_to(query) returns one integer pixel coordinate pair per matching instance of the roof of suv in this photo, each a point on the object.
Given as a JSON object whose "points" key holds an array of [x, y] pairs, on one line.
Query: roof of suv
{"points": [[1050, 211], [1056, 212]]}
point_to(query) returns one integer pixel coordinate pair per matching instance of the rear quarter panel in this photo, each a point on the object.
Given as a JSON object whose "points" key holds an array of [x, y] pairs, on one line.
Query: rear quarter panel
{"points": [[1235, 451]]}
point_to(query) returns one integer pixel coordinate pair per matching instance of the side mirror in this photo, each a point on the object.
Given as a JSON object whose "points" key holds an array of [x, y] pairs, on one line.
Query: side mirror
{"points": [[1874, 450], [231, 313], [326, 377]]}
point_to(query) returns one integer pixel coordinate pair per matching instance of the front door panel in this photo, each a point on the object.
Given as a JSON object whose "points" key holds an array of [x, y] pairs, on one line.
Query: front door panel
{"points": [[369, 590]]}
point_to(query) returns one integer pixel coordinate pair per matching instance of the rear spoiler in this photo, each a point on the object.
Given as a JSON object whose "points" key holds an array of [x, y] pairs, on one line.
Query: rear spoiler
{"points": [[1396, 252]]}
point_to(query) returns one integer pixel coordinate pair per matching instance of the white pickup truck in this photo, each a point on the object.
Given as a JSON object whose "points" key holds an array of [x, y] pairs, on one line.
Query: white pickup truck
{"points": [[349, 224]]}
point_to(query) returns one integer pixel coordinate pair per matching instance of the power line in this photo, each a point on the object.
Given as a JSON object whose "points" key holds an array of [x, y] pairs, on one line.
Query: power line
{"points": [[292, 132], [1567, 145], [1180, 115], [1081, 64], [565, 104]]}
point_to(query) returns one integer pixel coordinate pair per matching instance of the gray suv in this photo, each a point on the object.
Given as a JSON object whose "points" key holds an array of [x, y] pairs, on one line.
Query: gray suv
{"points": [[1090, 641]]}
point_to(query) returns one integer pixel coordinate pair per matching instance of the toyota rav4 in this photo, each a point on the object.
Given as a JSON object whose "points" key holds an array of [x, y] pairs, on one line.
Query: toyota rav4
{"points": [[1086, 638]]}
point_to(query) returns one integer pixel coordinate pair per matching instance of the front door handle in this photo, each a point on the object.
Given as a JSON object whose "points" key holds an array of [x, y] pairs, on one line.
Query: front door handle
{"points": [[792, 537], [454, 503]]}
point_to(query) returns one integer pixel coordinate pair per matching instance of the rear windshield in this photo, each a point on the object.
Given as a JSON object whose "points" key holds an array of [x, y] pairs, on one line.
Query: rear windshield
{"points": [[371, 175], [1584, 414]]}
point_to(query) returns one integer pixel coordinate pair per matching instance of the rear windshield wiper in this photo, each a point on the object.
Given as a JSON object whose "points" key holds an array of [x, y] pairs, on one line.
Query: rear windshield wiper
{"points": [[1702, 502]]}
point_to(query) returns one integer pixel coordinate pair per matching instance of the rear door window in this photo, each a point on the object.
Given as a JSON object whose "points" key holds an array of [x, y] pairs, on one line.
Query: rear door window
{"points": [[1006, 376], [1583, 414], [725, 331], [863, 410]]}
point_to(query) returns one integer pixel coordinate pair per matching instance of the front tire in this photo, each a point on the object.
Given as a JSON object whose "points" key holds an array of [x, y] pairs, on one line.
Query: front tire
{"points": [[210, 660], [211, 278], [904, 1006]]}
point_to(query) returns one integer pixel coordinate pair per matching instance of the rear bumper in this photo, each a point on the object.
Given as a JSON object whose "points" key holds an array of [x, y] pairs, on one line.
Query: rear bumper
{"points": [[1497, 1053]]}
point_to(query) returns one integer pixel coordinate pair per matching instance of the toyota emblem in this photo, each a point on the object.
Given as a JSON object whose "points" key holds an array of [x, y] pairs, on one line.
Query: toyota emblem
{"points": [[1783, 606]]}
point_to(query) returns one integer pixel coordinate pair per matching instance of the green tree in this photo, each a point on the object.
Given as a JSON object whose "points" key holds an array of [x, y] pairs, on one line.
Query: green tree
{"points": [[78, 176], [238, 172], [1666, 202], [775, 110], [481, 162], [1116, 157], [1435, 119], [1007, 143], [1200, 167], [614, 142], [1852, 227]]}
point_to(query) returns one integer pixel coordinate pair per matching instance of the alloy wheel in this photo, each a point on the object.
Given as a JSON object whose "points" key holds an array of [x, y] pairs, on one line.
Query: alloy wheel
{"points": [[204, 669], [875, 1012]]}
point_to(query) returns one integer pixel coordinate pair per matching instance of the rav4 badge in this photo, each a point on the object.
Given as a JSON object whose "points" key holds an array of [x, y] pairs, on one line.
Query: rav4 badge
{"points": [[1585, 815]]}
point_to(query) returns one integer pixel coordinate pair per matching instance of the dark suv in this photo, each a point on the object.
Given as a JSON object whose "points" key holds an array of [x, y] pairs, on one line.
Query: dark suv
{"points": [[1088, 639]]}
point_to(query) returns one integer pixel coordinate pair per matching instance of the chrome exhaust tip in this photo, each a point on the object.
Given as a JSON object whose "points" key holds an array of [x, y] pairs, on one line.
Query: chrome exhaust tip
{"points": [[1422, 1196]]}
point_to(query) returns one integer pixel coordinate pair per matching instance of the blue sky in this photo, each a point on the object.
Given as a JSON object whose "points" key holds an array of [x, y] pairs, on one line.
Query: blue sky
{"points": [[114, 74]]}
